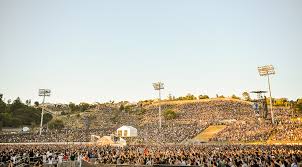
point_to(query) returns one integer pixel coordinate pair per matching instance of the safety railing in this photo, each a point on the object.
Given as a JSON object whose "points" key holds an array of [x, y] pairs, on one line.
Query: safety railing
{"points": [[92, 163], [86, 164], [64, 164]]}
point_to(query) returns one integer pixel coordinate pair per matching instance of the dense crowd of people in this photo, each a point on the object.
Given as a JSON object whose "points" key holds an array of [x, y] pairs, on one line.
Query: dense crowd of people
{"points": [[191, 118], [245, 131], [243, 124], [290, 131], [63, 135], [165, 146], [169, 133], [201, 155]]}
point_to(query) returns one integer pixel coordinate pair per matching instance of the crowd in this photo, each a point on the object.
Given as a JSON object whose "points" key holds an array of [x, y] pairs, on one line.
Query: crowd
{"points": [[191, 118], [201, 155], [252, 129], [169, 133], [64, 135], [205, 111], [289, 131], [245, 131], [246, 127]]}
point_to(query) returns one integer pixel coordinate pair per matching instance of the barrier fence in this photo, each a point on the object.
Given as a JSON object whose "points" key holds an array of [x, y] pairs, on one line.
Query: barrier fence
{"points": [[20, 161], [92, 161], [65, 164], [86, 164]]}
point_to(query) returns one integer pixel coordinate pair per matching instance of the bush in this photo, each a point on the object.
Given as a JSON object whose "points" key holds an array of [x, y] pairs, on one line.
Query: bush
{"points": [[122, 107], [203, 97], [141, 111], [56, 124], [170, 114], [235, 97]]}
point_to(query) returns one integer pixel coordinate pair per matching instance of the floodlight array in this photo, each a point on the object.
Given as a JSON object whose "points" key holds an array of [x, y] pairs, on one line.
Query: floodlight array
{"points": [[44, 92], [158, 85], [266, 70]]}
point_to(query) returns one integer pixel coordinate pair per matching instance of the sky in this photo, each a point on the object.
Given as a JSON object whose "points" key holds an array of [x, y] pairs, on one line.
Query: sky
{"points": [[97, 50]]}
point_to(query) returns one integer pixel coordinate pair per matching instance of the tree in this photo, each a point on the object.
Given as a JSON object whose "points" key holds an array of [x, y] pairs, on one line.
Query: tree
{"points": [[3, 107], [122, 108], [246, 96], [56, 124], [280, 102], [298, 105], [298, 108], [269, 102], [170, 97], [190, 97], [18, 114], [142, 111], [299, 101], [16, 104], [18, 100], [84, 106], [169, 114], [203, 97], [33, 125], [28, 102], [235, 97], [128, 108], [72, 106], [36, 103], [1, 96]]}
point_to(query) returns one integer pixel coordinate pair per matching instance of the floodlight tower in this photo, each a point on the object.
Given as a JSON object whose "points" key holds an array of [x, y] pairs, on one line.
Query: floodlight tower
{"points": [[261, 100], [268, 70], [44, 93], [158, 86]]}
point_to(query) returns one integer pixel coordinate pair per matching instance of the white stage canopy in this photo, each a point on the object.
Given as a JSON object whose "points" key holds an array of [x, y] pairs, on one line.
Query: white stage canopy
{"points": [[126, 131]]}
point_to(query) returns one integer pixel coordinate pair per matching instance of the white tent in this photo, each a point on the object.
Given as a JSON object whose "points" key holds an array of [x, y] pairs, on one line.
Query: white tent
{"points": [[126, 131], [25, 129]]}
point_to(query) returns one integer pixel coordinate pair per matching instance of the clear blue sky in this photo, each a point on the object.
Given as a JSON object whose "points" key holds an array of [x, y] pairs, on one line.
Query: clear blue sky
{"points": [[97, 50]]}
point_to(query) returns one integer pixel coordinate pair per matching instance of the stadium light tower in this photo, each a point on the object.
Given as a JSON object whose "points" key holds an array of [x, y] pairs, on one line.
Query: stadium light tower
{"points": [[267, 71], [44, 93], [158, 86]]}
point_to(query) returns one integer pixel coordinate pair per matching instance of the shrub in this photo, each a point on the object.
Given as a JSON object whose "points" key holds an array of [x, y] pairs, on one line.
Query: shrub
{"points": [[56, 124], [170, 114]]}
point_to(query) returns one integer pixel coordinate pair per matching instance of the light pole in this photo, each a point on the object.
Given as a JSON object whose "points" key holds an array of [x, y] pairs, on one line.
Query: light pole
{"points": [[158, 86], [44, 93], [267, 71]]}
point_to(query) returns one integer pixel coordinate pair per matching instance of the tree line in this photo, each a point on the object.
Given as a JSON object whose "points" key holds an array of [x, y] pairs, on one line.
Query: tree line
{"points": [[19, 114]]}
